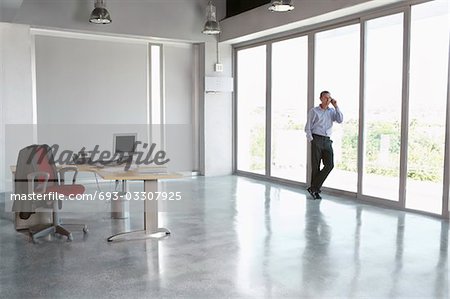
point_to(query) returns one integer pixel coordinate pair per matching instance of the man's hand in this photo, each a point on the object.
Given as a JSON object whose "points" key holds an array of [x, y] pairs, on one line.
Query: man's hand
{"points": [[334, 102]]}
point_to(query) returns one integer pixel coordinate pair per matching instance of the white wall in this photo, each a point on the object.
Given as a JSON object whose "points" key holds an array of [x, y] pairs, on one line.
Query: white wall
{"points": [[217, 117], [179, 104], [2, 127], [17, 85], [179, 83], [16, 93]]}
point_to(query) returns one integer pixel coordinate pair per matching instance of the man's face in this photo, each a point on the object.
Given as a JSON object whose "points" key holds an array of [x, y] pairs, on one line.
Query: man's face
{"points": [[326, 99]]}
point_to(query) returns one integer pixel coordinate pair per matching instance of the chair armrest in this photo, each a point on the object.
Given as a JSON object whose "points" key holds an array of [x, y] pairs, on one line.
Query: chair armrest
{"points": [[32, 177], [63, 171]]}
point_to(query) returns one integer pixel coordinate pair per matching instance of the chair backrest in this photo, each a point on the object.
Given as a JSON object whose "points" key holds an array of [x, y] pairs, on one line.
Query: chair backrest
{"points": [[27, 162], [43, 161]]}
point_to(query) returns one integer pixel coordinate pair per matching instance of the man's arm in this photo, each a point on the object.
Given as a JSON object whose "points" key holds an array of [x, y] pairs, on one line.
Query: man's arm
{"points": [[308, 126], [338, 116]]}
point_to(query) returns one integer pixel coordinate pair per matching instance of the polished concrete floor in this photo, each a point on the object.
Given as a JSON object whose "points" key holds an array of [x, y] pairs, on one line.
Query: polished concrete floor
{"points": [[234, 237]]}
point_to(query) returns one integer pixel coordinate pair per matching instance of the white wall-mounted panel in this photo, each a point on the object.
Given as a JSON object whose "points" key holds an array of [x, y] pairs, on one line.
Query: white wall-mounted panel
{"points": [[90, 82], [218, 84]]}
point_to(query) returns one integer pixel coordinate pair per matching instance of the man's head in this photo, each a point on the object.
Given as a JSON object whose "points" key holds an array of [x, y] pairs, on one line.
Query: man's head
{"points": [[325, 98]]}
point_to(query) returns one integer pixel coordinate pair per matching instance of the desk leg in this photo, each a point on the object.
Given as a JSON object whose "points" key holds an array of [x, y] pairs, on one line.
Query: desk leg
{"points": [[151, 229], [150, 207]]}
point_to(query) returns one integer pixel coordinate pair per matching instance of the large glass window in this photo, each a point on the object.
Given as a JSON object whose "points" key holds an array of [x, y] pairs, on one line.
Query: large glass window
{"points": [[155, 56], [251, 109], [427, 105], [289, 104], [337, 64], [382, 103], [157, 132], [337, 70]]}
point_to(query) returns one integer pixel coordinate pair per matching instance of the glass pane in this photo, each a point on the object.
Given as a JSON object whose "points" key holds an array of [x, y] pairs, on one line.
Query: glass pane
{"points": [[383, 102], [289, 104], [155, 84], [251, 109], [427, 106], [339, 74]]}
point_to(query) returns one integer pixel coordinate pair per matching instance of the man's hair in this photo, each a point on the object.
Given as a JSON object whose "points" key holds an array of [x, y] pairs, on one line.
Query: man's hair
{"points": [[323, 92]]}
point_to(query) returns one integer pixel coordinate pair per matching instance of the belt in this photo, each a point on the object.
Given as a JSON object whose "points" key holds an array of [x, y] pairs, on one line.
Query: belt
{"points": [[320, 136]]}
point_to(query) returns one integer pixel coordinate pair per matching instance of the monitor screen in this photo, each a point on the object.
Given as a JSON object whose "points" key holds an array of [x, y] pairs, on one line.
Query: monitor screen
{"points": [[125, 143]]}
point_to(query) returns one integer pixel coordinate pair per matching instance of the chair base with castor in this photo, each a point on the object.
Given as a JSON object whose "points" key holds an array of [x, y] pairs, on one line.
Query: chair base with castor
{"points": [[40, 231]]}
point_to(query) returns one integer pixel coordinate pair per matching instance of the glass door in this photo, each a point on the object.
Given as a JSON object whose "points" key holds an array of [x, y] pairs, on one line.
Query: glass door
{"points": [[382, 107], [289, 105], [339, 74], [251, 109], [427, 105]]}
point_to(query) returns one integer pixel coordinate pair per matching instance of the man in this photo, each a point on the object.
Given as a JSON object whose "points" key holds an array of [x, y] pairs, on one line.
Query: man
{"points": [[318, 131]]}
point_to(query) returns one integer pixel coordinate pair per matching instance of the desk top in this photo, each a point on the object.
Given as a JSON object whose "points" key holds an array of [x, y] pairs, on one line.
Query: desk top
{"points": [[118, 173]]}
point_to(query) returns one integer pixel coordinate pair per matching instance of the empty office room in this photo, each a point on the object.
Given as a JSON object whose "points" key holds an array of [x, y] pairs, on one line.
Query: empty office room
{"points": [[224, 148]]}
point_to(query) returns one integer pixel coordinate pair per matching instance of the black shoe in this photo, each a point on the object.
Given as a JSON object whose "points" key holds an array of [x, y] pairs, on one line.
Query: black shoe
{"points": [[317, 195], [310, 192]]}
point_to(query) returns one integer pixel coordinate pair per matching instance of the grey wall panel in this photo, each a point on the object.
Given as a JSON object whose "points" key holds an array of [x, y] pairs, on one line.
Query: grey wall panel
{"points": [[90, 82]]}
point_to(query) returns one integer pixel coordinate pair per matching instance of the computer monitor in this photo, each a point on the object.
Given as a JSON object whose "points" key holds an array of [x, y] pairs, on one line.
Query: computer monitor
{"points": [[124, 144]]}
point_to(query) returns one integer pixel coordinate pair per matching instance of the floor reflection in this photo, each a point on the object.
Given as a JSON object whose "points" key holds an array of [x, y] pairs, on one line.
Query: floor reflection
{"points": [[354, 283], [267, 254], [442, 274], [398, 261], [316, 263]]}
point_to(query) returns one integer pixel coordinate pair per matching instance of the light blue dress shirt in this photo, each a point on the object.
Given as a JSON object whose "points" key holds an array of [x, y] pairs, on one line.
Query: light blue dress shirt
{"points": [[320, 121]]}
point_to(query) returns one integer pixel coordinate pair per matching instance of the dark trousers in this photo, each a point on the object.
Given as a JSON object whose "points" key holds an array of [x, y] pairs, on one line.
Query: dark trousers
{"points": [[321, 150]]}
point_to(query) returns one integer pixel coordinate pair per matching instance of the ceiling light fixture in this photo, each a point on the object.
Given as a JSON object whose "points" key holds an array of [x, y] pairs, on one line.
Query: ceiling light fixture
{"points": [[211, 26], [281, 5], [100, 15]]}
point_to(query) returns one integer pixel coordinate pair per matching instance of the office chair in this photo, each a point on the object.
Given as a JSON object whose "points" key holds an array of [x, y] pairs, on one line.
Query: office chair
{"points": [[44, 179]]}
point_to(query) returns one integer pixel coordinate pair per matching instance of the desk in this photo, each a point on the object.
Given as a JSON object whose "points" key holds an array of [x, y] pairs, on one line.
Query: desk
{"points": [[150, 206]]}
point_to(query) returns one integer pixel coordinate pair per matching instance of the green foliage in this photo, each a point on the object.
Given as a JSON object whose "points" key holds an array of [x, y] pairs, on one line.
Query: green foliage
{"points": [[425, 153], [349, 146], [257, 148], [425, 150], [291, 125]]}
